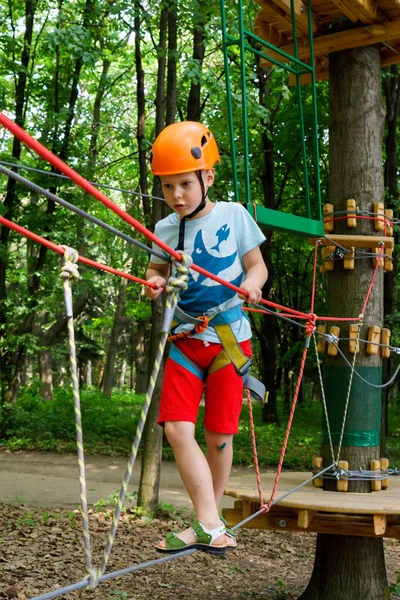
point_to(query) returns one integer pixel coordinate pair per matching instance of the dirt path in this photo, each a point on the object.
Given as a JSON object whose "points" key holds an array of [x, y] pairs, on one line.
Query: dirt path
{"points": [[41, 549], [50, 479]]}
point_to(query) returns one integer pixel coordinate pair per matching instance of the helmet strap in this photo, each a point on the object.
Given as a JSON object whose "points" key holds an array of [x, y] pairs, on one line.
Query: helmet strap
{"points": [[204, 192]]}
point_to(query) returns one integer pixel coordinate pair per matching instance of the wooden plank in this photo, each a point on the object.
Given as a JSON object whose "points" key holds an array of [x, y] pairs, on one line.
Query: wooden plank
{"points": [[346, 10], [386, 502], [358, 241], [343, 40], [334, 524], [300, 9]]}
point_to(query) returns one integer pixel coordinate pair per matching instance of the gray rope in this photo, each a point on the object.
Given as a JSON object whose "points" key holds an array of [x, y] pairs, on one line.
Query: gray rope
{"points": [[353, 365], [99, 185], [36, 188], [173, 288], [69, 272], [324, 400], [82, 584]]}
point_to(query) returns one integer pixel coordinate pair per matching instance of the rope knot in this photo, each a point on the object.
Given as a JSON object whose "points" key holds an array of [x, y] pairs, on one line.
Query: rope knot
{"points": [[310, 325], [93, 579], [179, 283], [69, 270]]}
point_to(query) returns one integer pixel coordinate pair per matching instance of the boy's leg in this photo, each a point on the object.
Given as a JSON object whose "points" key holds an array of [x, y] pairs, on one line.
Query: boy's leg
{"points": [[219, 458], [196, 476]]}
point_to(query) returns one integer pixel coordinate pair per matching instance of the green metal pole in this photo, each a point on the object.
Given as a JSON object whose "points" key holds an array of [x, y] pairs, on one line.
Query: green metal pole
{"points": [[301, 114], [229, 101], [315, 113], [244, 105]]}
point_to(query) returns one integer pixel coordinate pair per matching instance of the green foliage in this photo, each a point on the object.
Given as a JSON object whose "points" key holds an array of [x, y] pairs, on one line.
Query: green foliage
{"points": [[109, 427]]}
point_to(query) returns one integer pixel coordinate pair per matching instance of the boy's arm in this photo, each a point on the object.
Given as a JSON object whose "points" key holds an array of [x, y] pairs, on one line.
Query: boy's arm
{"points": [[158, 274], [256, 276]]}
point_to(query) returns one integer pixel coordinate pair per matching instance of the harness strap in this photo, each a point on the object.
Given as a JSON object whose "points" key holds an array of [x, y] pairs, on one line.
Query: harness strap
{"points": [[232, 352]]}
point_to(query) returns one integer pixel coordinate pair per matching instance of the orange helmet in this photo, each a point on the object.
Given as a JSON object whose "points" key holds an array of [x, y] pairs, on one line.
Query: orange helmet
{"points": [[184, 147]]}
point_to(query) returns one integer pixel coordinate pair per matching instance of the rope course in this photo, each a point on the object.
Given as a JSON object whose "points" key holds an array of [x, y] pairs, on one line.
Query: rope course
{"points": [[182, 264]]}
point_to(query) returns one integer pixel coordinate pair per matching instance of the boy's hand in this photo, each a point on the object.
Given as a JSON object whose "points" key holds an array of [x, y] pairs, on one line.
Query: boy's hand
{"points": [[159, 284], [253, 291]]}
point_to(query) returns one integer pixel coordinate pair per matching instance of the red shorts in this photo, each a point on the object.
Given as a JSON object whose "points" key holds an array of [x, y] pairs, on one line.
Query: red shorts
{"points": [[182, 390]]}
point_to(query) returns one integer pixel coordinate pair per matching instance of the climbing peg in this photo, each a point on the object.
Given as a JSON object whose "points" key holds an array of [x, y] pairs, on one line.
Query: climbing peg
{"points": [[385, 467], [388, 262], [327, 251], [318, 462], [377, 258], [333, 348], [321, 346], [327, 210], [342, 484], [351, 210], [385, 340], [354, 346], [374, 338], [379, 210], [348, 260], [376, 484], [389, 221]]}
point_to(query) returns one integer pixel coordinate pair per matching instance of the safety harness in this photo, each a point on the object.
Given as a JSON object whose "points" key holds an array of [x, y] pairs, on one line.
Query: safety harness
{"points": [[231, 350]]}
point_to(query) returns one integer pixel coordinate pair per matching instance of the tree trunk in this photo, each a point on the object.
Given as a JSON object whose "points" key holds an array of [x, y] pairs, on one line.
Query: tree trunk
{"points": [[151, 461], [46, 375], [6, 359], [351, 568], [194, 108], [153, 434], [141, 359], [109, 369]]}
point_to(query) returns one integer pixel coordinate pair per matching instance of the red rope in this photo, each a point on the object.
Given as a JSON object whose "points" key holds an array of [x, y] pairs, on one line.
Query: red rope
{"points": [[267, 507], [60, 250], [47, 155], [254, 446]]}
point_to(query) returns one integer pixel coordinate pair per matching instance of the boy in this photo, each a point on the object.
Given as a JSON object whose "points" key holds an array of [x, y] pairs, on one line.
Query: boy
{"points": [[223, 239]]}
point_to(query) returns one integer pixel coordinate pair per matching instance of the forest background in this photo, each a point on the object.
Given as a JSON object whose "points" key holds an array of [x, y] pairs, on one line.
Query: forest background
{"points": [[95, 81]]}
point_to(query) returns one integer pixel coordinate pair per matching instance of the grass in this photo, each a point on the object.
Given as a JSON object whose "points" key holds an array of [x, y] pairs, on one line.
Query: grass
{"points": [[109, 427]]}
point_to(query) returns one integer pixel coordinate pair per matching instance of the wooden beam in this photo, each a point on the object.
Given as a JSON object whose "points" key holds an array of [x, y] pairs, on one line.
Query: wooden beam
{"points": [[300, 9], [321, 74], [344, 40], [334, 524], [358, 241], [346, 10], [264, 30]]}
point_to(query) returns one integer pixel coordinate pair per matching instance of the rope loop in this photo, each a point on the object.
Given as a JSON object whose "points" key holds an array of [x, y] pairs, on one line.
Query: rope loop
{"points": [[69, 270], [179, 283], [199, 328]]}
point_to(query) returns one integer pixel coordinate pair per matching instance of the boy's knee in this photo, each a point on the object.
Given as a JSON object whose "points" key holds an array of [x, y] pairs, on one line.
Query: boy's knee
{"points": [[177, 433]]}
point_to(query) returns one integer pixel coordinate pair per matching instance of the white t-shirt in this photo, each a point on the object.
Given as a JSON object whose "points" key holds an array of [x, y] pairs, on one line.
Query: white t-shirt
{"points": [[216, 242]]}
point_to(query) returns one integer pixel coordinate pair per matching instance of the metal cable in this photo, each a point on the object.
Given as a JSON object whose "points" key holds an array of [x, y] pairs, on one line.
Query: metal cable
{"points": [[324, 400], [78, 211], [99, 185], [353, 365]]}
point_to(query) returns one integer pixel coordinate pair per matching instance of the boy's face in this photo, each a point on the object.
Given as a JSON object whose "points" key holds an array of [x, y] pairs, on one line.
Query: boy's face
{"points": [[182, 192]]}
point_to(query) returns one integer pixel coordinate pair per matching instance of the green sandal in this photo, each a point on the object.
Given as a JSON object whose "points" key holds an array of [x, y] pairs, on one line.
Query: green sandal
{"points": [[230, 533], [204, 540]]}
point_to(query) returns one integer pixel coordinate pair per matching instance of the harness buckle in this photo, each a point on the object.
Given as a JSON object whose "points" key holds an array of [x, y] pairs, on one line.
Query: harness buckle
{"points": [[244, 369]]}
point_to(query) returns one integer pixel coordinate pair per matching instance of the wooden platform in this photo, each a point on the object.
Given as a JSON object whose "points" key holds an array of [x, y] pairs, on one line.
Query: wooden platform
{"points": [[336, 24], [314, 510]]}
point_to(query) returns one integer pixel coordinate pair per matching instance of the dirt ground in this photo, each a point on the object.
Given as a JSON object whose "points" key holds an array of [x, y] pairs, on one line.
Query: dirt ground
{"points": [[41, 550]]}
